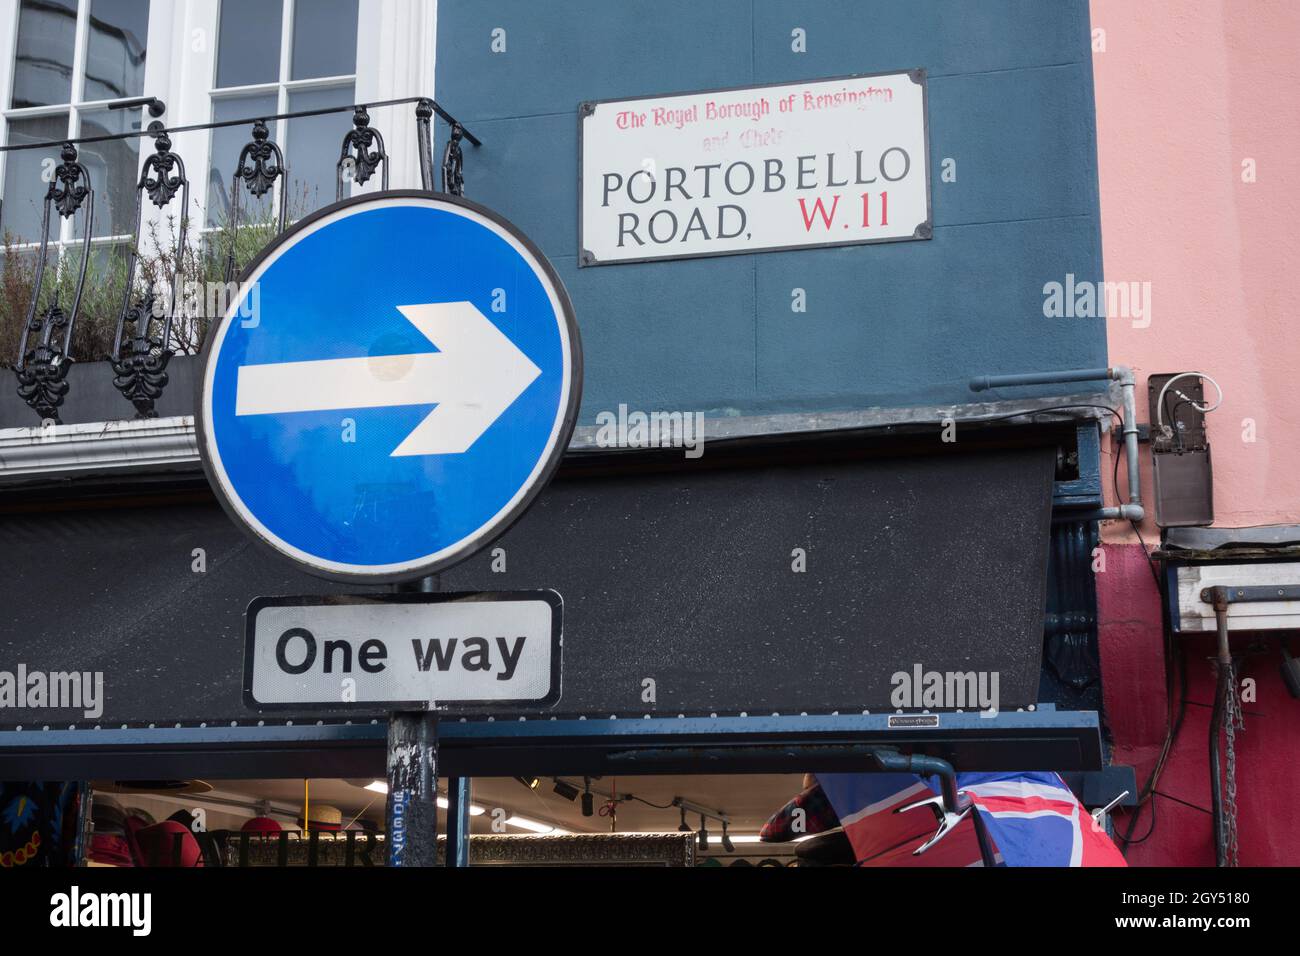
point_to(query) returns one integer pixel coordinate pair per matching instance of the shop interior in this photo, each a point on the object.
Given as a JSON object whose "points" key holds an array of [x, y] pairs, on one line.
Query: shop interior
{"points": [[695, 820]]}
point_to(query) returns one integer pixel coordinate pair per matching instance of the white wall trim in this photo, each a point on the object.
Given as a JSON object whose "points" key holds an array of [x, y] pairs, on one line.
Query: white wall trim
{"points": [[62, 451], [136, 445]]}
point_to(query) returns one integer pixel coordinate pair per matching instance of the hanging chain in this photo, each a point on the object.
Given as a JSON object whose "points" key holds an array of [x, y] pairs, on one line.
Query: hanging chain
{"points": [[453, 163], [1234, 720]]}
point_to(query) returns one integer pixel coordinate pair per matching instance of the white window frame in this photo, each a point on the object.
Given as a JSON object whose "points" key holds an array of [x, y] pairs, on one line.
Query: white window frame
{"points": [[66, 237], [283, 87], [396, 45]]}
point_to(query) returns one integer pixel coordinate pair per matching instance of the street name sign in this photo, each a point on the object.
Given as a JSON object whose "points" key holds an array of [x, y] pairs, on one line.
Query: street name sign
{"points": [[833, 162], [395, 382], [403, 652]]}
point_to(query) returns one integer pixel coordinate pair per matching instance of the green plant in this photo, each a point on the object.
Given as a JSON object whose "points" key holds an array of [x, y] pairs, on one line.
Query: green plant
{"points": [[203, 259]]}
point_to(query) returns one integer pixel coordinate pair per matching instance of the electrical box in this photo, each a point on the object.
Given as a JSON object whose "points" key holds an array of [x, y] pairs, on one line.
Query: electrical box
{"points": [[1190, 611], [1180, 452]]}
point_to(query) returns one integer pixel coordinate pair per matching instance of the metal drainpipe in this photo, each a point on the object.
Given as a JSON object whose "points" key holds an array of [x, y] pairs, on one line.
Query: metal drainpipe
{"points": [[1133, 511], [1216, 726]]}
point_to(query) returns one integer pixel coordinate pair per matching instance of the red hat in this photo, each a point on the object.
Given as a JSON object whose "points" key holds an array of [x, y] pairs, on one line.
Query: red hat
{"points": [[158, 845], [260, 825], [110, 848]]}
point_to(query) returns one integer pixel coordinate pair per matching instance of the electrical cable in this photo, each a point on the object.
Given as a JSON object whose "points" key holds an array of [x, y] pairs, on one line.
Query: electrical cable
{"points": [[657, 806], [1175, 663], [1128, 841], [1047, 408], [1203, 409], [1172, 654], [1173, 724]]}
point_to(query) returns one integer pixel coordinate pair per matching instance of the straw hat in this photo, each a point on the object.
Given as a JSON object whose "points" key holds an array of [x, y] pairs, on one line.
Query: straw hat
{"points": [[321, 816]]}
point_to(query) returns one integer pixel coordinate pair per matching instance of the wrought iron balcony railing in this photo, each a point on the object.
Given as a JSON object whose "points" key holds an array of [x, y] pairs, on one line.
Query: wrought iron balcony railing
{"points": [[142, 343]]}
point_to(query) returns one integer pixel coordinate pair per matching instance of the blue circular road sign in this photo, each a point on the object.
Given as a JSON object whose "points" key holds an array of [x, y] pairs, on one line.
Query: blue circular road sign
{"points": [[394, 382]]}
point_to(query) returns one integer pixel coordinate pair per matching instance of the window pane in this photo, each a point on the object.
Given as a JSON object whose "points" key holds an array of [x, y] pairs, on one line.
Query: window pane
{"points": [[314, 144], [114, 169], [227, 142], [115, 56], [47, 30], [25, 176], [324, 38], [248, 42]]}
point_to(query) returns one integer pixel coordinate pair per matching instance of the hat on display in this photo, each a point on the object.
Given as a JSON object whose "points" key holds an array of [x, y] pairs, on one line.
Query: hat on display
{"points": [[107, 815], [152, 786], [321, 816], [141, 814], [184, 818], [808, 812], [169, 844], [260, 825], [110, 849]]}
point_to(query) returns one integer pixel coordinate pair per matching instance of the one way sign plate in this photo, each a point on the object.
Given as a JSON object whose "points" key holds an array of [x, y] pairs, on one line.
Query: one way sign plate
{"points": [[406, 651]]}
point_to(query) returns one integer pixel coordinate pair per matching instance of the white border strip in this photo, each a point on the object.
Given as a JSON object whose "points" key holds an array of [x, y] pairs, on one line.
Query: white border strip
{"points": [[149, 444], [97, 447]]}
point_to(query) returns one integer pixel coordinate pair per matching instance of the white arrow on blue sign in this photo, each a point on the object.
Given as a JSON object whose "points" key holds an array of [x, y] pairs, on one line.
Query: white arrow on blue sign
{"points": [[396, 381]]}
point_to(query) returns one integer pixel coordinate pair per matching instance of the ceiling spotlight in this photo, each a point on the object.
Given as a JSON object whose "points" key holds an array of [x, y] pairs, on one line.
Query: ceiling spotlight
{"points": [[588, 803], [567, 790], [685, 827], [704, 833], [532, 783], [726, 839]]}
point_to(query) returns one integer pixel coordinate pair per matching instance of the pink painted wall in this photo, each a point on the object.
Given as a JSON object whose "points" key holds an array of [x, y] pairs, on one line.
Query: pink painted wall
{"points": [[1185, 93]]}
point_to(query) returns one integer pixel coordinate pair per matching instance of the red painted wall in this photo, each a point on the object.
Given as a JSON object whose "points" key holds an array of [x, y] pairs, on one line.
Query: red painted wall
{"points": [[1268, 749]]}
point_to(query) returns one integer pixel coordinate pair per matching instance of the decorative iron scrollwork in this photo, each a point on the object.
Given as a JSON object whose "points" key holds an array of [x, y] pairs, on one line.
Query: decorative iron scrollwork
{"points": [[162, 186], [42, 369], [358, 153], [260, 164], [453, 163], [142, 347], [71, 184]]}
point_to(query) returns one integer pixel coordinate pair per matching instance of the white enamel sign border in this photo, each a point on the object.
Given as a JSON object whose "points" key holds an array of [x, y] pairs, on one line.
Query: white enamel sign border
{"points": [[380, 603], [920, 228]]}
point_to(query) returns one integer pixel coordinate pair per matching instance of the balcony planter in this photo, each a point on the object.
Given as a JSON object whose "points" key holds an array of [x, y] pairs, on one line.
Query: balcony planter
{"points": [[92, 397]]}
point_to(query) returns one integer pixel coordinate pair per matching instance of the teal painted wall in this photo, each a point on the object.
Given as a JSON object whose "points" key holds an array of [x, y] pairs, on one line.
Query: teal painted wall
{"points": [[894, 324]]}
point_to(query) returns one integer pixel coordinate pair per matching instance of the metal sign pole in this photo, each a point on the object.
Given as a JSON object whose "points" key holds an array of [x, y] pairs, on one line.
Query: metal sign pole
{"points": [[412, 819], [412, 811]]}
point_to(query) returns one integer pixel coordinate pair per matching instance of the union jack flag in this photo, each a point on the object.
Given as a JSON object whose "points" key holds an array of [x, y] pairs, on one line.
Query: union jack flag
{"points": [[1033, 819]]}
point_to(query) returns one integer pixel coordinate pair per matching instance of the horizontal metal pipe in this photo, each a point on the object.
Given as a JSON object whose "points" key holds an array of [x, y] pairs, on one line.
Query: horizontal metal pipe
{"points": [[1133, 511], [158, 129], [985, 382], [1127, 512]]}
